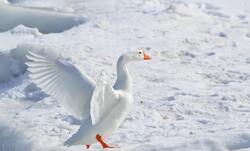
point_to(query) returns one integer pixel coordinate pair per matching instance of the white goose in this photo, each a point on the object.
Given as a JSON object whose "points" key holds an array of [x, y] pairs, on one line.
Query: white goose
{"points": [[104, 107]]}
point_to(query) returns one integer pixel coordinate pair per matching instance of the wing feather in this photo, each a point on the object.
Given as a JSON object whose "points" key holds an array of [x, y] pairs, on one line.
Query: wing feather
{"points": [[103, 100], [62, 80]]}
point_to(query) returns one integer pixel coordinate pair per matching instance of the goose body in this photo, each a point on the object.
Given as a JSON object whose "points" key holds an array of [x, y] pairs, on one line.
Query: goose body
{"points": [[87, 132], [104, 107]]}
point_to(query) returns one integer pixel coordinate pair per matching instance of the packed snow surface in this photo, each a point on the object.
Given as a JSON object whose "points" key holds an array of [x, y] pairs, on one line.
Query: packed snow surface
{"points": [[193, 96]]}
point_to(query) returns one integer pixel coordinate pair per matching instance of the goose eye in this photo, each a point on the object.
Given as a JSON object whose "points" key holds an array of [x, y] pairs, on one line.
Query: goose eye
{"points": [[140, 52]]}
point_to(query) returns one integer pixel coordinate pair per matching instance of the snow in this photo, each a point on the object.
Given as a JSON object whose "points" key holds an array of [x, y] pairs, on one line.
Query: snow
{"points": [[12, 62], [194, 94], [42, 19], [13, 140]]}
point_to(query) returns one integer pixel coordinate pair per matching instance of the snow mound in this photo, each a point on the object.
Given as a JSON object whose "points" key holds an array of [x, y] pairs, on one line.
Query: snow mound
{"points": [[22, 30], [5, 71], [11, 139], [12, 63], [45, 21]]}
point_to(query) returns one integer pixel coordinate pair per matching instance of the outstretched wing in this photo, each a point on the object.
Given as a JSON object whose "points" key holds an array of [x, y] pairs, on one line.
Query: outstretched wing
{"points": [[63, 81], [104, 98]]}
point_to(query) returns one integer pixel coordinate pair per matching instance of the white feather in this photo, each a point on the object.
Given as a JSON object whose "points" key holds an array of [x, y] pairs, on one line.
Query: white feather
{"points": [[104, 107], [103, 99], [63, 81]]}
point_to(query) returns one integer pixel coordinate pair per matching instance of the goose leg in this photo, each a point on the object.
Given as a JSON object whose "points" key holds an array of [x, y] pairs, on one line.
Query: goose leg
{"points": [[100, 140], [87, 146]]}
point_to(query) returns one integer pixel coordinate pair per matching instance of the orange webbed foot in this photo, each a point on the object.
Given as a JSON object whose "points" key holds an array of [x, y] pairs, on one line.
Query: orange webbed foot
{"points": [[101, 141]]}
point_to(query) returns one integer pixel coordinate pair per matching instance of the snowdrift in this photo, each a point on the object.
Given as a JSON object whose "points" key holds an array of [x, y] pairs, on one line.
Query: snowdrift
{"points": [[45, 21], [12, 63], [5, 70], [13, 140]]}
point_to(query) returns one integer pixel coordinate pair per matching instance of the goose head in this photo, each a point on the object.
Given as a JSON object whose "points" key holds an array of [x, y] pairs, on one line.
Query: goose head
{"points": [[123, 77], [138, 55]]}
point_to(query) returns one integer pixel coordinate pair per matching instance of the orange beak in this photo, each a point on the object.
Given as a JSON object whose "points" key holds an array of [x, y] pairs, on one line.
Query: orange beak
{"points": [[146, 56]]}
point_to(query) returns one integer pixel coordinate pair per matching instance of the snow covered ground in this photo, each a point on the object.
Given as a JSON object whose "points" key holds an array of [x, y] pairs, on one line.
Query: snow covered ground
{"points": [[193, 96]]}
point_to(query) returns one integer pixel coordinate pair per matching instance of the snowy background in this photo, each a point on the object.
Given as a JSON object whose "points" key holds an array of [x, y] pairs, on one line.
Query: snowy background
{"points": [[193, 96]]}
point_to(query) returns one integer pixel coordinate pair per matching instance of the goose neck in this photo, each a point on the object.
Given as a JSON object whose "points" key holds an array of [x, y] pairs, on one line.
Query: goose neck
{"points": [[124, 81]]}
